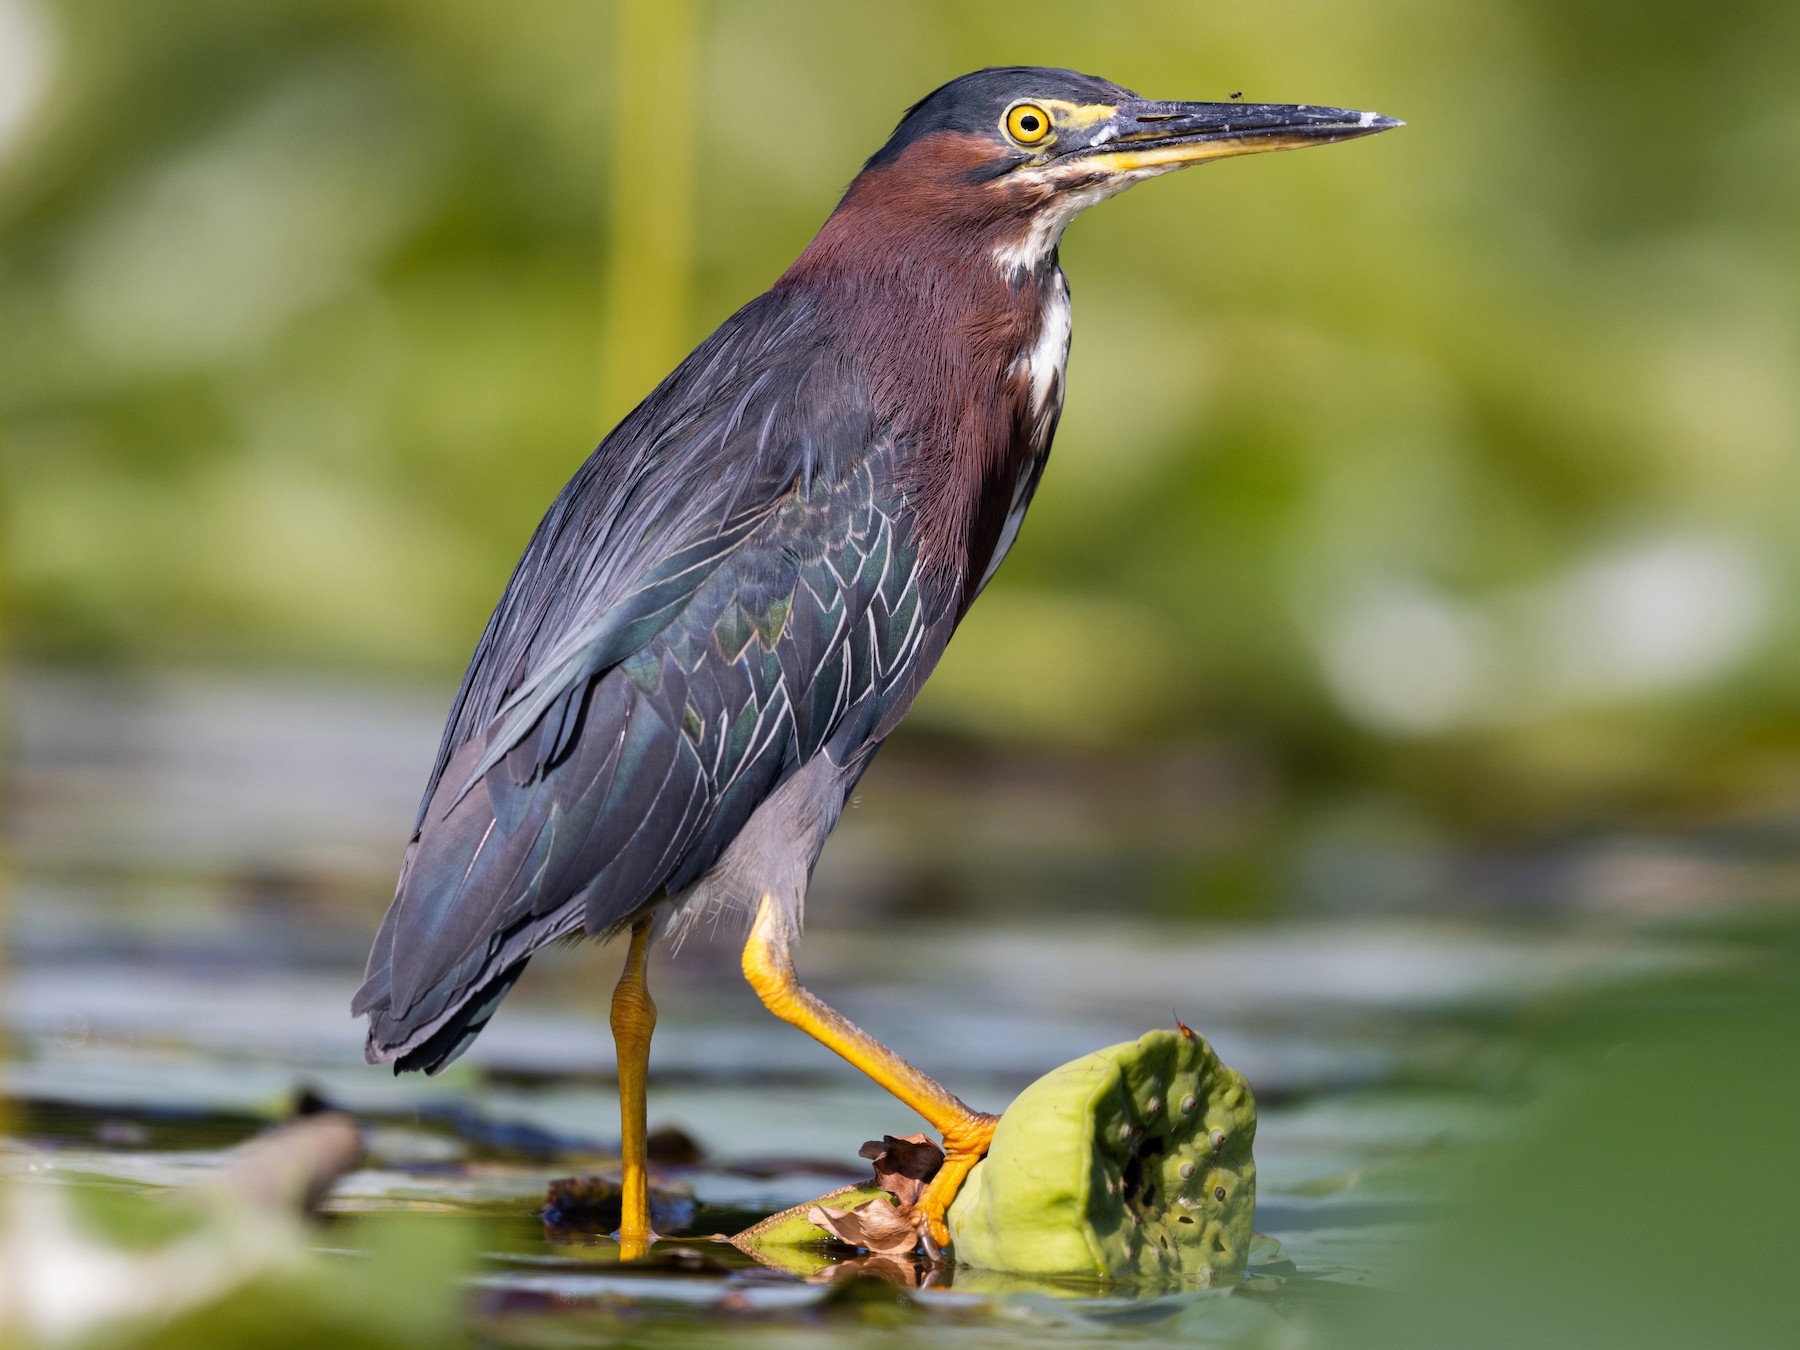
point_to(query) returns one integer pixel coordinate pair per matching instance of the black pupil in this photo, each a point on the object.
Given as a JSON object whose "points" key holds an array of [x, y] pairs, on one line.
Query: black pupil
{"points": [[1028, 123]]}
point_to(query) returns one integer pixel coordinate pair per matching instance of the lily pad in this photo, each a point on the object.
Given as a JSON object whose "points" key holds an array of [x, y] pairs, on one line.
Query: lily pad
{"points": [[792, 1242], [1132, 1161]]}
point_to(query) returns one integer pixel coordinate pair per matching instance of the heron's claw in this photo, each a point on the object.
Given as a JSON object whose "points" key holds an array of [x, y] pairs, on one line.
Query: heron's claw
{"points": [[964, 1145]]}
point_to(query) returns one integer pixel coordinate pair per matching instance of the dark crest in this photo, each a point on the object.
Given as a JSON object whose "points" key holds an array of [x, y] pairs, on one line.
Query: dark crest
{"points": [[972, 104]]}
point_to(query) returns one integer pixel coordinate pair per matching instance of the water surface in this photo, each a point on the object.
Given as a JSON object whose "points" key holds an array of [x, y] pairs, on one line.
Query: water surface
{"points": [[200, 861]]}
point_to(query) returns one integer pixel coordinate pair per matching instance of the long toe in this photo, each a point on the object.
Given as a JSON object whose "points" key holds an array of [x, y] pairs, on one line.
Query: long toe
{"points": [[964, 1146]]}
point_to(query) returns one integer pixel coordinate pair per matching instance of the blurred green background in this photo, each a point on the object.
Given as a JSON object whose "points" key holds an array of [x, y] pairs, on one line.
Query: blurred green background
{"points": [[1457, 466], [1420, 546]]}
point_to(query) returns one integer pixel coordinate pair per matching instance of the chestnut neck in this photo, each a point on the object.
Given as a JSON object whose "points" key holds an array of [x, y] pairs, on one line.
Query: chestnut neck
{"points": [[906, 272]]}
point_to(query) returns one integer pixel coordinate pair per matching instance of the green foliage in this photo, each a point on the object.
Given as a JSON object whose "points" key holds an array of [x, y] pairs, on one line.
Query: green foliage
{"points": [[1654, 1202], [1460, 461], [104, 1212], [400, 1285]]}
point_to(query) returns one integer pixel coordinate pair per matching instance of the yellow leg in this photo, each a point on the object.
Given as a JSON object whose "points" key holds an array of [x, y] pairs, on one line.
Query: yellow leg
{"points": [[633, 1019], [769, 967]]}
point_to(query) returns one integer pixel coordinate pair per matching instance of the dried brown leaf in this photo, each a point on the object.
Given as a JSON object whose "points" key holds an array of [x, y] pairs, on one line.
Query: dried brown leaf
{"points": [[877, 1226], [903, 1166]]}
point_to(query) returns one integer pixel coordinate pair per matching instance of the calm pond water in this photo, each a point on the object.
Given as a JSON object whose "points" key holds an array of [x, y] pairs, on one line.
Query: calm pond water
{"points": [[199, 863]]}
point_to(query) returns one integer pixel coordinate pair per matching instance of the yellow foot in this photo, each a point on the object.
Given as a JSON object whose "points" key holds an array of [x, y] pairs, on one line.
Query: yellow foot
{"points": [[634, 1246], [964, 1146], [769, 966]]}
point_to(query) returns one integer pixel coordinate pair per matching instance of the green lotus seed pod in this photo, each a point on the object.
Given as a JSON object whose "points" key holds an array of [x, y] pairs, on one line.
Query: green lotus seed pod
{"points": [[1088, 1172]]}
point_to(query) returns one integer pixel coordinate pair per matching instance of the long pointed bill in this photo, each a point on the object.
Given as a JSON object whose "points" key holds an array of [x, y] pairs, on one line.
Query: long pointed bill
{"points": [[1147, 137]]}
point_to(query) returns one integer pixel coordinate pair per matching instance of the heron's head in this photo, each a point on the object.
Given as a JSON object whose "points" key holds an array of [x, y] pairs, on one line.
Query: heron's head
{"points": [[1006, 157]]}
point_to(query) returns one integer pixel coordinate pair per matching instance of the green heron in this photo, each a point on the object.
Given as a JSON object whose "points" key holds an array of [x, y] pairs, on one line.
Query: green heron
{"points": [[738, 596]]}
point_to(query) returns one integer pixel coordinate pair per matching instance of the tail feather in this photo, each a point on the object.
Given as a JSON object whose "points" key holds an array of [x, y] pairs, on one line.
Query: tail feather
{"points": [[455, 1033], [594, 838]]}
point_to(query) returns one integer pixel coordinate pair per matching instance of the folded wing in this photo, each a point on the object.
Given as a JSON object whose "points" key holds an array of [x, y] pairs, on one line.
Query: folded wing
{"points": [[721, 594]]}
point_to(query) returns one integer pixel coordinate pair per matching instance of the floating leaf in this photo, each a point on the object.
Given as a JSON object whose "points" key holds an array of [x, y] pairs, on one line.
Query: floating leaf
{"points": [[875, 1214]]}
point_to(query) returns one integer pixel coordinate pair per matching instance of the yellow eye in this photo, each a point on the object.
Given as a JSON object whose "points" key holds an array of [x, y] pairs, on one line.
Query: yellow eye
{"points": [[1027, 123]]}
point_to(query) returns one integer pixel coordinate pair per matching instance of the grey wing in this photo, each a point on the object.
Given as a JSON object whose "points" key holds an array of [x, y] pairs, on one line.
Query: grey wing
{"points": [[621, 770]]}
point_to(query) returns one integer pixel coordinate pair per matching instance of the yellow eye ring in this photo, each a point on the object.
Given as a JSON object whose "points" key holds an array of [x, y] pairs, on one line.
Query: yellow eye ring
{"points": [[1027, 123]]}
